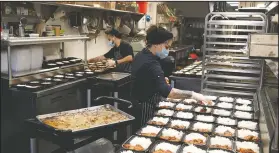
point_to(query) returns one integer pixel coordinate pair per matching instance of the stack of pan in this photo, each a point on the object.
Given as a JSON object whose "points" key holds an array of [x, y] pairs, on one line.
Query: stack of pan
{"points": [[193, 70]]}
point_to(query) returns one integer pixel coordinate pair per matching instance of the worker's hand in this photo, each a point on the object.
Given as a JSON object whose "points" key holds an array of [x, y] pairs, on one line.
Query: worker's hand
{"points": [[200, 97], [167, 80], [111, 63]]}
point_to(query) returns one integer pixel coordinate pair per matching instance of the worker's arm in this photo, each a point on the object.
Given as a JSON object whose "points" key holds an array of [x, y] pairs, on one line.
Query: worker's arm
{"points": [[96, 59], [126, 59]]}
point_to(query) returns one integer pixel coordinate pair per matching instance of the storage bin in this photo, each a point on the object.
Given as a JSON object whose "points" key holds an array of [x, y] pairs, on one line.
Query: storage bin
{"points": [[20, 59], [37, 54]]}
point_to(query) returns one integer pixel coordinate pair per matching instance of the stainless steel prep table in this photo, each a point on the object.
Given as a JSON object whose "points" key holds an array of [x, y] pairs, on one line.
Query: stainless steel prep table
{"points": [[186, 83]]}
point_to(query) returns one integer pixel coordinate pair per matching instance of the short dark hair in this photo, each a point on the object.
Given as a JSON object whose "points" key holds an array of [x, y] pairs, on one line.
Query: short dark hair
{"points": [[113, 32]]}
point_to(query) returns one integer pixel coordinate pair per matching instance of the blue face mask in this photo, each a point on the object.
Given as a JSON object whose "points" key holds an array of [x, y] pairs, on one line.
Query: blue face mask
{"points": [[111, 44], [163, 54]]}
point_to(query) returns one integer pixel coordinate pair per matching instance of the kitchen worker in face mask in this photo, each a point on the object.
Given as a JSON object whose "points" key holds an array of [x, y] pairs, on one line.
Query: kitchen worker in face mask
{"points": [[120, 55], [149, 84]]}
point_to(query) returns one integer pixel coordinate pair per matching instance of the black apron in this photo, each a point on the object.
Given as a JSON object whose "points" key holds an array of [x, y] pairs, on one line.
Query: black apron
{"points": [[123, 67]]}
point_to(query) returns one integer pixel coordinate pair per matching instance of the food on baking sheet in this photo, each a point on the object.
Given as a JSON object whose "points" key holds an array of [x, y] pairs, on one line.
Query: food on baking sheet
{"points": [[226, 99], [243, 107], [127, 151], [192, 149], [225, 105], [195, 139], [202, 127], [221, 143], [150, 131], [221, 112], [247, 125], [217, 151], [247, 147], [244, 115], [205, 118], [159, 121], [84, 119], [173, 100], [185, 115], [200, 109], [224, 131], [226, 121], [171, 135], [190, 101], [165, 112], [178, 124], [211, 97], [243, 101], [164, 104], [138, 144], [248, 135], [182, 107], [164, 147]]}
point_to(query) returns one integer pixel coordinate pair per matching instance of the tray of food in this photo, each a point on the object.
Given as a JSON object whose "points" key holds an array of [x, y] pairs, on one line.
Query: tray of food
{"points": [[173, 100], [225, 131], [160, 121], [184, 115], [244, 107], [111, 79], [226, 121], [189, 101], [193, 149], [243, 115], [165, 147], [205, 118], [170, 134], [202, 127], [183, 107], [226, 99], [247, 147], [225, 105], [165, 104], [179, 124], [138, 143], [149, 131], [222, 112], [248, 124], [164, 112], [203, 110], [210, 150], [195, 138], [243, 101], [218, 142], [248, 135], [210, 97]]}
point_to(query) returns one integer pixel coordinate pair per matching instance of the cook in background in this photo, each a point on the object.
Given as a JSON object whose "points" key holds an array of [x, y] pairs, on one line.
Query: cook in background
{"points": [[149, 84], [120, 55]]}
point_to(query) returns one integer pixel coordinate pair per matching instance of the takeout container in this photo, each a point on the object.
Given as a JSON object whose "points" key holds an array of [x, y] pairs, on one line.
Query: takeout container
{"points": [[161, 133], [132, 137], [152, 148]]}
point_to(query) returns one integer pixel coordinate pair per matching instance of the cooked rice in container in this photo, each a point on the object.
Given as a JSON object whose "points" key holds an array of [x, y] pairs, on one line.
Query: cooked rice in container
{"points": [[247, 125], [247, 147], [221, 112], [165, 112], [244, 115], [217, 151], [138, 144], [221, 143], [226, 99], [159, 121], [247, 135], [243, 101], [203, 109], [185, 115], [225, 105], [190, 101], [192, 149], [195, 138], [211, 97], [205, 118], [180, 124], [243, 107], [150, 131], [164, 147], [128, 151], [164, 104], [226, 121], [173, 100], [183, 107], [202, 127], [171, 135], [225, 131]]}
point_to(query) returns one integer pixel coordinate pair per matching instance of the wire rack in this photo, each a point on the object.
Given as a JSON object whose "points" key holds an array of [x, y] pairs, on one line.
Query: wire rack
{"points": [[227, 68]]}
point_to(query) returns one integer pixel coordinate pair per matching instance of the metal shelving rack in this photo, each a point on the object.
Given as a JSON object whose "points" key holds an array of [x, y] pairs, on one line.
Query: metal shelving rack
{"points": [[227, 68]]}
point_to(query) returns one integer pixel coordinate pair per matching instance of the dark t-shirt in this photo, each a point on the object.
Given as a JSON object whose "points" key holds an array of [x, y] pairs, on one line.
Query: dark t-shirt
{"points": [[124, 48], [148, 77]]}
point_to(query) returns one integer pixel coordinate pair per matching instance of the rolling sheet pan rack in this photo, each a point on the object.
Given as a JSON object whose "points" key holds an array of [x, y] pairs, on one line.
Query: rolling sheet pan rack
{"points": [[227, 68]]}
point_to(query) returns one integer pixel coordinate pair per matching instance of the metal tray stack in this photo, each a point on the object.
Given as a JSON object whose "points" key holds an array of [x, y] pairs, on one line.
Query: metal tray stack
{"points": [[193, 70], [190, 129], [227, 68]]}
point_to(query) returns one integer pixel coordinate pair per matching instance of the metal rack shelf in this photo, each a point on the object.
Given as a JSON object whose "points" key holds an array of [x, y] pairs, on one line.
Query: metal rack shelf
{"points": [[226, 62], [273, 65]]}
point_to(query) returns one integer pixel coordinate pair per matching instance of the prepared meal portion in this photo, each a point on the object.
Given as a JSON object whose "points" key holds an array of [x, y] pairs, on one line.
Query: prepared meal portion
{"points": [[195, 139], [127, 151], [221, 112], [243, 107], [220, 142], [150, 131], [159, 121], [178, 124], [206, 103], [217, 151], [247, 147], [247, 125], [164, 147], [192, 149], [225, 105], [248, 135], [165, 112], [243, 101], [200, 109], [173, 100], [226, 121], [205, 118], [244, 115], [164, 104], [226, 99], [211, 97], [202, 127], [182, 107], [224, 131], [171, 135], [138, 144], [190, 101], [185, 115], [84, 119]]}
